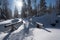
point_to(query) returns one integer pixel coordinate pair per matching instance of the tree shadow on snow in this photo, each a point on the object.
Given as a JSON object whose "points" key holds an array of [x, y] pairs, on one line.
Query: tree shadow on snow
{"points": [[6, 37], [46, 29]]}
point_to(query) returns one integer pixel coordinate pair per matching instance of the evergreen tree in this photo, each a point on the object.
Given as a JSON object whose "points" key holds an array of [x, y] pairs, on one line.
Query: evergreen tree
{"points": [[0, 13], [35, 7], [50, 9], [0, 9], [24, 10], [42, 6], [58, 6], [10, 13], [29, 8], [5, 13], [16, 12], [0, 2]]}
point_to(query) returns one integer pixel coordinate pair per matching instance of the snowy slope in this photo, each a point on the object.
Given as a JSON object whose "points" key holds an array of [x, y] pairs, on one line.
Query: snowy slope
{"points": [[36, 34], [11, 21], [28, 30], [2, 35]]}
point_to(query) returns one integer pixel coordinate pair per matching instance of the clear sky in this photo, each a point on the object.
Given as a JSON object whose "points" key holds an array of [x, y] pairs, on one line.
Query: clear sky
{"points": [[17, 3], [12, 3], [48, 2], [51, 1]]}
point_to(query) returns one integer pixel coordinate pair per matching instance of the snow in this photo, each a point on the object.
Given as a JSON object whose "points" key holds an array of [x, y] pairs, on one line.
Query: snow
{"points": [[19, 29], [39, 23], [28, 31], [2, 35], [37, 34], [44, 35], [10, 21], [5, 22]]}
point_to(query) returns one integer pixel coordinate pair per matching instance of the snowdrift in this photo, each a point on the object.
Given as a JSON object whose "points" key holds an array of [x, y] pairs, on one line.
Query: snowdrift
{"points": [[28, 30]]}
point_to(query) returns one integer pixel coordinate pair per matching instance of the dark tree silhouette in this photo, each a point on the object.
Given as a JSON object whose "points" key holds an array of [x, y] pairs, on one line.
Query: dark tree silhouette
{"points": [[42, 6], [4, 12], [24, 10], [16, 12], [29, 8], [35, 7], [58, 6], [50, 9]]}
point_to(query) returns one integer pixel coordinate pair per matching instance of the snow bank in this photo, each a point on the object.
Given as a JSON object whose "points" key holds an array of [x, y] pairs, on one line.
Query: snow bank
{"points": [[2, 35], [36, 34], [28, 30]]}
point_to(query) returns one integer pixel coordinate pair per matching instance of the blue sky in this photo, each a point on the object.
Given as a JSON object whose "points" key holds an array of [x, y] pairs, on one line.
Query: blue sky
{"points": [[47, 1], [51, 1]]}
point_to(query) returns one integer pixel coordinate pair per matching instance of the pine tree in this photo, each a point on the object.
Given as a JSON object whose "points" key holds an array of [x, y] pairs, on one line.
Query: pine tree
{"points": [[50, 9], [0, 13], [15, 12], [29, 8], [35, 7], [42, 6], [0, 9], [5, 9], [24, 10], [10, 13], [0, 2], [58, 6]]}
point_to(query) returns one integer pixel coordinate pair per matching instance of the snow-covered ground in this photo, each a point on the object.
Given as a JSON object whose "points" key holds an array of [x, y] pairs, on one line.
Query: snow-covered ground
{"points": [[11, 21], [28, 30], [2, 35]]}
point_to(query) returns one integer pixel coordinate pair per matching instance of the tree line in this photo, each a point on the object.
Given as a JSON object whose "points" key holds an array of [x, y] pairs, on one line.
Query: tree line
{"points": [[6, 12], [30, 8], [33, 8]]}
